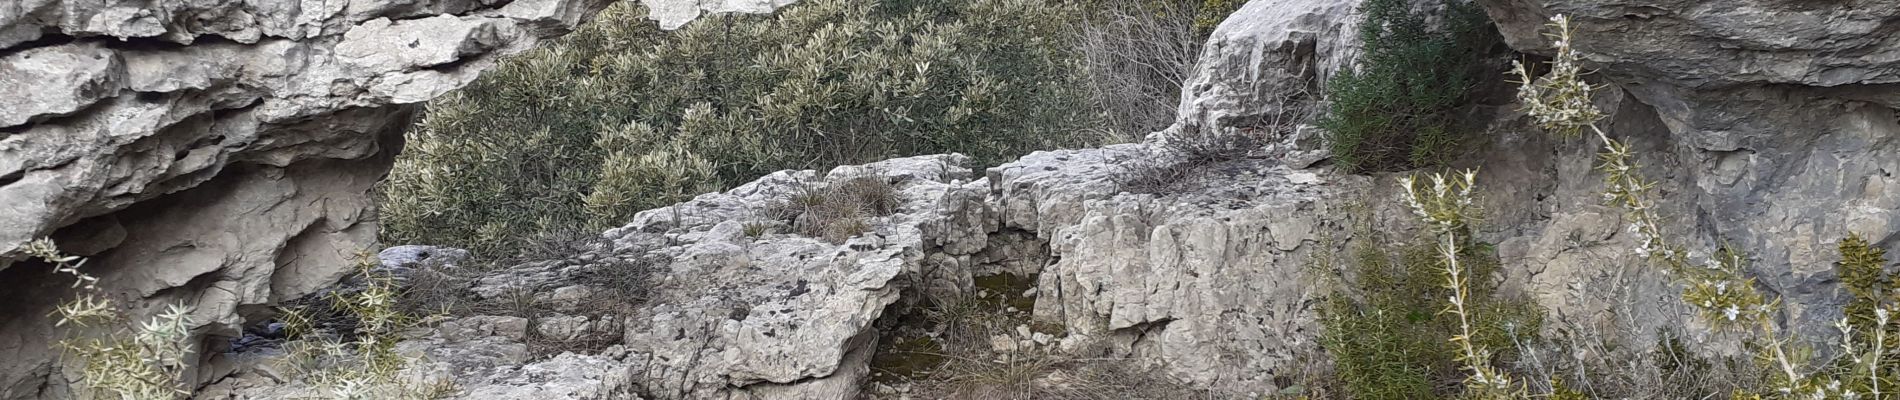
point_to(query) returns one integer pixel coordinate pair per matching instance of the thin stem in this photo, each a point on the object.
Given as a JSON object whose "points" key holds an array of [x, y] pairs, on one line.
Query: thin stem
{"points": [[1880, 343], [1454, 278]]}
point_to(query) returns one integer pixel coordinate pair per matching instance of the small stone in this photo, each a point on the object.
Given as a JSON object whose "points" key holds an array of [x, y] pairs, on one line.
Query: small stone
{"points": [[1002, 344], [421, 257], [1302, 178]]}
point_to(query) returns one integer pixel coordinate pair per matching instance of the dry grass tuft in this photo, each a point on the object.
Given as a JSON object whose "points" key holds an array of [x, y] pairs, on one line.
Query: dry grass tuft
{"points": [[838, 210]]}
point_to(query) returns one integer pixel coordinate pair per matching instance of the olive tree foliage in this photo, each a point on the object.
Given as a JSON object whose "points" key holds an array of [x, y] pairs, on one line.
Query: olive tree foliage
{"points": [[621, 116]]}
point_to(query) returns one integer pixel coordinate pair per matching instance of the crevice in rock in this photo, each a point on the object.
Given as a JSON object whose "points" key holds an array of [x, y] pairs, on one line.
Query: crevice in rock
{"points": [[12, 177], [48, 38], [158, 44]]}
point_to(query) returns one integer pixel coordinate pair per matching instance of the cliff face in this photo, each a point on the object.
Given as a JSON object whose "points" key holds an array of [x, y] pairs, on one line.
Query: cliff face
{"points": [[1777, 120], [220, 154], [1771, 127]]}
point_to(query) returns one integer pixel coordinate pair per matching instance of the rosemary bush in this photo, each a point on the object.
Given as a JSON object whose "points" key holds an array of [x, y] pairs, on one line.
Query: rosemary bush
{"points": [[1718, 287], [122, 360], [1388, 341], [1392, 109]]}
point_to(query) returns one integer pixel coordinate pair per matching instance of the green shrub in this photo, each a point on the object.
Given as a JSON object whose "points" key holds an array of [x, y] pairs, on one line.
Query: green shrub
{"points": [[1386, 330], [621, 116], [1393, 109]]}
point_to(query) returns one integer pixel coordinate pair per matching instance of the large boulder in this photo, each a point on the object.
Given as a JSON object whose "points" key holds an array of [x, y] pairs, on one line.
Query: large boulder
{"points": [[735, 303], [746, 309], [221, 154], [1266, 61], [1209, 278]]}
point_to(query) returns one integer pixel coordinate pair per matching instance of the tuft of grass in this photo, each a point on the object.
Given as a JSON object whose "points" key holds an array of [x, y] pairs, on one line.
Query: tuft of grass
{"points": [[757, 229], [840, 209]]}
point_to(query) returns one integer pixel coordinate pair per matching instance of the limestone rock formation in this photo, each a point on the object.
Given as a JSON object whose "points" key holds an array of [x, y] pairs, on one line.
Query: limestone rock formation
{"points": [[1779, 116], [234, 147], [779, 315], [735, 305], [221, 155], [1266, 61], [1778, 144], [1208, 278]]}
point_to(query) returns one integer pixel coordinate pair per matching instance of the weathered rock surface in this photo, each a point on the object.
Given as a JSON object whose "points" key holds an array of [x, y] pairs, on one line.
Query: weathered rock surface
{"points": [[1779, 117], [781, 315], [1209, 279], [1769, 125], [728, 311], [1780, 146], [221, 154], [1266, 61]]}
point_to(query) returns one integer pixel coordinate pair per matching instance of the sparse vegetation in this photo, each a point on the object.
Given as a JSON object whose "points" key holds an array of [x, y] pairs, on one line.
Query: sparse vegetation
{"points": [[1154, 176], [362, 362], [983, 346], [1392, 110], [1137, 54], [145, 360], [1716, 285]]}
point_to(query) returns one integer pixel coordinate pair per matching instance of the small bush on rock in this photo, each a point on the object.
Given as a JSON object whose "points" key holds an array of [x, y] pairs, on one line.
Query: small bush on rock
{"points": [[1392, 110]]}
